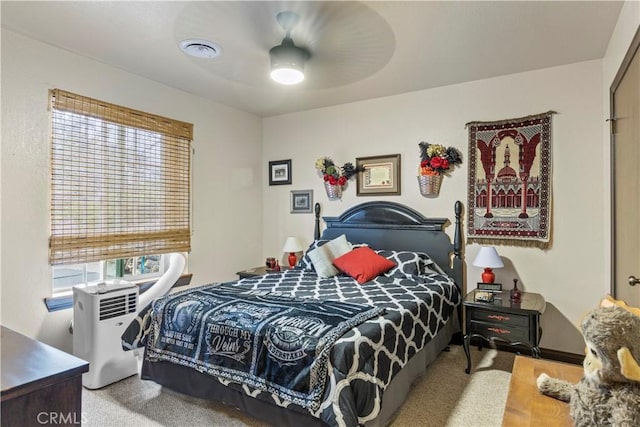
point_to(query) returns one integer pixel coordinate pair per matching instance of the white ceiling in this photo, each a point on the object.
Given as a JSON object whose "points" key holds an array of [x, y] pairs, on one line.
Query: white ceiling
{"points": [[360, 50]]}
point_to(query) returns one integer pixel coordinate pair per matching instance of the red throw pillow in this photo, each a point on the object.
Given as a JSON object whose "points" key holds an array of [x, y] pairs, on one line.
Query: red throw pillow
{"points": [[363, 264]]}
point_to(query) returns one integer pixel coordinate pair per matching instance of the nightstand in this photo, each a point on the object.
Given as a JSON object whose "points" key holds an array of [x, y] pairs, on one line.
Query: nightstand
{"points": [[502, 320], [257, 271]]}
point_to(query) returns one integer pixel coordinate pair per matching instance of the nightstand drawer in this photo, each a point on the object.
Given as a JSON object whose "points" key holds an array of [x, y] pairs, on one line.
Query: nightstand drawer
{"points": [[505, 331], [500, 318]]}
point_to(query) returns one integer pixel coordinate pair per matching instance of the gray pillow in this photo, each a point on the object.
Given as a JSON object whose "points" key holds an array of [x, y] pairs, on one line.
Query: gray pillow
{"points": [[322, 257], [322, 261]]}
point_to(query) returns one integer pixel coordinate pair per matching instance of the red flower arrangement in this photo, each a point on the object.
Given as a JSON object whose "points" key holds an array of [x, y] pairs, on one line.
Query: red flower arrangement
{"points": [[335, 175], [437, 159]]}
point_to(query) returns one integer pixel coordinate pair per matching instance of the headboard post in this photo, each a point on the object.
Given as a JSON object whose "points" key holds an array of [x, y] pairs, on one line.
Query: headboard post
{"points": [[457, 238], [458, 265], [316, 230]]}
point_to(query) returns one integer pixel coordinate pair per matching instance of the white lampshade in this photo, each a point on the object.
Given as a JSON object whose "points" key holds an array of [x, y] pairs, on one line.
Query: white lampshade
{"points": [[292, 245], [488, 257]]}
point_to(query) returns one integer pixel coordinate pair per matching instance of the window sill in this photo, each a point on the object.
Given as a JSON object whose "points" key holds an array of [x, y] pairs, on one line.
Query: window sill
{"points": [[65, 301]]}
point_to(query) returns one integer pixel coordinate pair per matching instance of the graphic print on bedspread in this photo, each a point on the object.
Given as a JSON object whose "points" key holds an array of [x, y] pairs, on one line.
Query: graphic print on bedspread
{"points": [[228, 333], [268, 341]]}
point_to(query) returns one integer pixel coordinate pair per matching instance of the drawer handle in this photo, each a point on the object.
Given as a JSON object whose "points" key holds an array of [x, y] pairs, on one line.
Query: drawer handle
{"points": [[498, 317], [499, 330]]}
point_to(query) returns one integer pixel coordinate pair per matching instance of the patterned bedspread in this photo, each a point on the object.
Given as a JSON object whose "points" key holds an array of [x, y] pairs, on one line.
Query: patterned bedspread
{"points": [[365, 359], [266, 340]]}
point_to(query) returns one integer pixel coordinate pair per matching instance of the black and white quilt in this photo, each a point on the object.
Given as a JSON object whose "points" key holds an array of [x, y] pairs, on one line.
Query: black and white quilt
{"points": [[364, 360], [263, 339]]}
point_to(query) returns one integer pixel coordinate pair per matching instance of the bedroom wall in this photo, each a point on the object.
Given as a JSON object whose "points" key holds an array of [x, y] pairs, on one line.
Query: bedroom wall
{"points": [[571, 274], [227, 168]]}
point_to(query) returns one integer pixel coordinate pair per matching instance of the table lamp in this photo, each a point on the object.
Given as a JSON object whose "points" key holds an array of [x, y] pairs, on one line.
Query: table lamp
{"points": [[488, 258], [292, 245]]}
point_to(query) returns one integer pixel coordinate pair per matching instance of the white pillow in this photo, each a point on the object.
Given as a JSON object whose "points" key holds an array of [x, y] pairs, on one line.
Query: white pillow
{"points": [[322, 261], [322, 257], [339, 246]]}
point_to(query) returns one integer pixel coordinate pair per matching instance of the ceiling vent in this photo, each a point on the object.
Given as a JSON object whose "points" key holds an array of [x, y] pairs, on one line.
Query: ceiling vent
{"points": [[200, 48]]}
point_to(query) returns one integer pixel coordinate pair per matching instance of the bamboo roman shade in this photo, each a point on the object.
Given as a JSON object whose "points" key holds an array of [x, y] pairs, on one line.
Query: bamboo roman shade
{"points": [[120, 181]]}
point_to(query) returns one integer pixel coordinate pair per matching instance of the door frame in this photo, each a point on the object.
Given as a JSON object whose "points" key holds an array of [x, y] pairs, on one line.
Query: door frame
{"points": [[631, 52]]}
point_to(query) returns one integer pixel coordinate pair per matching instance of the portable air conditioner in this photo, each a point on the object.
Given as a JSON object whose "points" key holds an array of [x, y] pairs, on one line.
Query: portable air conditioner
{"points": [[101, 313]]}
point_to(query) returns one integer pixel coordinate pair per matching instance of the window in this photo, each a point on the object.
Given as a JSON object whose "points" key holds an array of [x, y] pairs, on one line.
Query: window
{"points": [[66, 276], [120, 189], [133, 269]]}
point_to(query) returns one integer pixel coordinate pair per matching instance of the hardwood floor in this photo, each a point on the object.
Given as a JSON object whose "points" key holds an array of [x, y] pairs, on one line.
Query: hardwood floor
{"points": [[525, 405]]}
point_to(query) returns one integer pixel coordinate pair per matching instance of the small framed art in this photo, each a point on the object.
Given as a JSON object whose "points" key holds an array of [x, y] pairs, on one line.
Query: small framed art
{"points": [[302, 201], [491, 287], [381, 175], [280, 172]]}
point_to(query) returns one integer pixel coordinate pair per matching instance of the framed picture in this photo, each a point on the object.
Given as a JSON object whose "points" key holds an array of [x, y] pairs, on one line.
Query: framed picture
{"points": [[381, 175], [491, 287], [280, 172], [302, 201]]}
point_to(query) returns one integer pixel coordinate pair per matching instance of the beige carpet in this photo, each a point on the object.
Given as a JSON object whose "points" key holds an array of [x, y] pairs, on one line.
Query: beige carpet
{"points": [[444, 396]]}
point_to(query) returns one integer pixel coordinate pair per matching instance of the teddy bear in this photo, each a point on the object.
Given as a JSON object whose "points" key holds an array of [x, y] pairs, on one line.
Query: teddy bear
{"points": [[608, 301], [609, 392]]}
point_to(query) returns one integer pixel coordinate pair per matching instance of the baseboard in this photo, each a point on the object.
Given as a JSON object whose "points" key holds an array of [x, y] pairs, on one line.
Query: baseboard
{"points": [[561, 356]]}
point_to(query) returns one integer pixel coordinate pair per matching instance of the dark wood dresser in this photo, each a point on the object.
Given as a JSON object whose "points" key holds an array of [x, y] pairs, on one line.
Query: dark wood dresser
{"points": [[41, 385]]}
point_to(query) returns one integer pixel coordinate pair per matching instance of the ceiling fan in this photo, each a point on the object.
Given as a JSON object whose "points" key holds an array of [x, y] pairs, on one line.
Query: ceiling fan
{"points": [[338, 42], [287, 59]]}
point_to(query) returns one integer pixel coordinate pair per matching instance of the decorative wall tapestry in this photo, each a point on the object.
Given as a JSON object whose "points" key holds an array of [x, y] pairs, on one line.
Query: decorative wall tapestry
{"points": [[509, 195]]}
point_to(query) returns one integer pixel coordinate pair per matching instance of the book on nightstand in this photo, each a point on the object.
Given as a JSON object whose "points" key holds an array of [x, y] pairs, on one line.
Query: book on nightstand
{"points": [[483, 296]]}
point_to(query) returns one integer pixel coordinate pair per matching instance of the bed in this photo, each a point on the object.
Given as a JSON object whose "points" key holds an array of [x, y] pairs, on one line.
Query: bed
{"points": [[373, 338]]}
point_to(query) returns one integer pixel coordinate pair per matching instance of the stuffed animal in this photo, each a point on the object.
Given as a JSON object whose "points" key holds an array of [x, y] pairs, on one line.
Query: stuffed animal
{"points": [[609, 392], [608, 301]]}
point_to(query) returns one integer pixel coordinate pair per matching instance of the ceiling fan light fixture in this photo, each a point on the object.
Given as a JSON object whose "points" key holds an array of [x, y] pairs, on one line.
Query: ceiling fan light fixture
{"points": [[287, 76], [287, 59], [287, 62]]}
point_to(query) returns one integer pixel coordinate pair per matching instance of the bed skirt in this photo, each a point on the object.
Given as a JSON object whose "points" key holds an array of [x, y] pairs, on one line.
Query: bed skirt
{"points": [[193, 383]]}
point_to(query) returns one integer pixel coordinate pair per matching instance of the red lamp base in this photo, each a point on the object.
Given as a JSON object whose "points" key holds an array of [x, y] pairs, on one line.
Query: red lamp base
{"points": [[292, 259], [488, 276]]}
